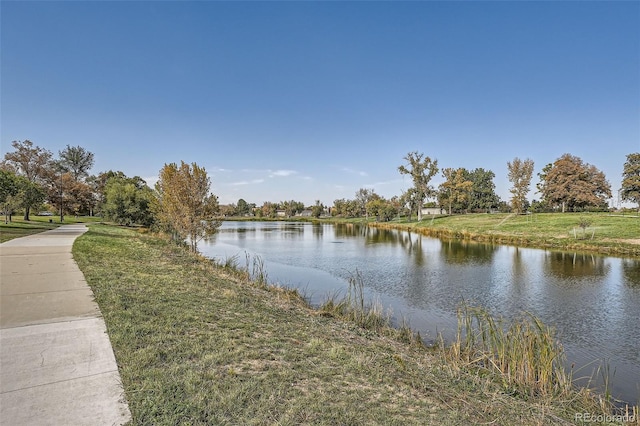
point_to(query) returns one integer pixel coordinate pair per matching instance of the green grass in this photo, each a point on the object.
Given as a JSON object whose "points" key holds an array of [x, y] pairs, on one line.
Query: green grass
{"points": [[198, 343], [18, 227], [606, 234]]}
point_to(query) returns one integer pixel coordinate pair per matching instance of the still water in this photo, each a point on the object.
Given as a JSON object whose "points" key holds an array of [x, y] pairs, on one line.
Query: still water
{"points": [[593, 302]]}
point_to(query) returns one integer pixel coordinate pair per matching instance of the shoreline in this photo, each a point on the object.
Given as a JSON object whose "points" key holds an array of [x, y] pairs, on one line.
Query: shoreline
{"points": [[615, 238], [200, 342]]}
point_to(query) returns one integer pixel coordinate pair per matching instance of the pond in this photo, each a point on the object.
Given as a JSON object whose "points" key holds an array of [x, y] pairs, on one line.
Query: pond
{"points": [[593, 302]]}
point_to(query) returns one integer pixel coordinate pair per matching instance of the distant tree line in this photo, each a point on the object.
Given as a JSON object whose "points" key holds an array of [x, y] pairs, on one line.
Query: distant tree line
{"points": [[32, 178]]}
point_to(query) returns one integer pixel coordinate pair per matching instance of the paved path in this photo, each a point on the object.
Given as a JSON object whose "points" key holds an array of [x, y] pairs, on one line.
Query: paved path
{"points": [[56, 362]]}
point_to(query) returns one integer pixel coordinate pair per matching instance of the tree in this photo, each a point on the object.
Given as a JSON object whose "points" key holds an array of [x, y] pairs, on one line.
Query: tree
{"points": [[382, 209], [456, 188], [483, 191], [408, 201], [242, 208], [269, 209], [34, 163], [363, 196], [292, 207], [127, 202], [345, 208], [99, 183], [9, 188], [520, 173], [573, 184], [30, 194], [317, 209], [77, 161], [630, 190], [185, 205], [421, 169]]}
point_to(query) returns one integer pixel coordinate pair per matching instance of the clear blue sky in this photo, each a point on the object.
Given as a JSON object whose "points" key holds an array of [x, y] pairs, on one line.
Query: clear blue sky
{"points": [[314, 100]]}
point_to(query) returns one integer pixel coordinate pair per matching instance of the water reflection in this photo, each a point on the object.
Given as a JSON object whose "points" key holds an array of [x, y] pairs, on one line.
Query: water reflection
{"points": [[317, 230], [562, 264], [631, 271], [461, 252], [592, 301]]}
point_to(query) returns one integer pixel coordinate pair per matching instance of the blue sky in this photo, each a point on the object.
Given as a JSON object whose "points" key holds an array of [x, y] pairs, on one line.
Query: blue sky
{"points": [[314, 100]]}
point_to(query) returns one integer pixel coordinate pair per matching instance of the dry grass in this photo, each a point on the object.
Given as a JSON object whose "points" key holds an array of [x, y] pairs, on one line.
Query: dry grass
{"points": [[198, 343]]}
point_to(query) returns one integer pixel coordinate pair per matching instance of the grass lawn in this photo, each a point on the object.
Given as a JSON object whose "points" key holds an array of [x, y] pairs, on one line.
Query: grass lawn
{"points": [[18, 227], [198, 344], [602, 233]]}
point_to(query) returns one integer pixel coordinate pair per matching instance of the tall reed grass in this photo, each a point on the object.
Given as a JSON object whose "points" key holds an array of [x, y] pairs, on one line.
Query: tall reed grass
{"points": [[354, 306], [524, 354]]}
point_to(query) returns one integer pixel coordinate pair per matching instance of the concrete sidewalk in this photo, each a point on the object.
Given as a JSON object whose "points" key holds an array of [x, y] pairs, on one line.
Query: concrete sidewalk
{"points": [[56, 362]]}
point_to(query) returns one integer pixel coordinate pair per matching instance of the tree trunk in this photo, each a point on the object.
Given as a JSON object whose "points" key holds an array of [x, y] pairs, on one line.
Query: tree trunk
{"points": [[26, 213]]}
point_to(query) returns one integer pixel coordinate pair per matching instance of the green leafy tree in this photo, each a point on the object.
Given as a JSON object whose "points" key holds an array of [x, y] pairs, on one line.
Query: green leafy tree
{"points": [[9, 189], [421, 169], [99, 183], [242, 208], [520, 173], [292, 207], [572, 184], [127, 202], [185, 204], [456, 189], [630, 190], [382, 209], [408, 201], [483, 191], [317, 209], [30, 194], [363, 196], [34, 164], [77, 161], [345, 208]]}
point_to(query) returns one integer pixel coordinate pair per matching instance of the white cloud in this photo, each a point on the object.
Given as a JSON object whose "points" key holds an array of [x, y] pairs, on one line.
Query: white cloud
{"points": [[220, 169], [282, 173], [388, 182], [247, 182], [354, 172]]}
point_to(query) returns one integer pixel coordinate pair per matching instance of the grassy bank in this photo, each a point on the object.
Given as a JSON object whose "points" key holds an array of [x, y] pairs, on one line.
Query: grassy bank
{"points": [[600, 232], [200, 344]]}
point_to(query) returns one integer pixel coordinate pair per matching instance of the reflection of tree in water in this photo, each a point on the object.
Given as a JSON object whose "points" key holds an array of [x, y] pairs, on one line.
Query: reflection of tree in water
{"points": [[349, 230], [631, 272], [292, 230], [411, 243], [317, 230], [561, 264], [461, 252], [381, 236]]}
